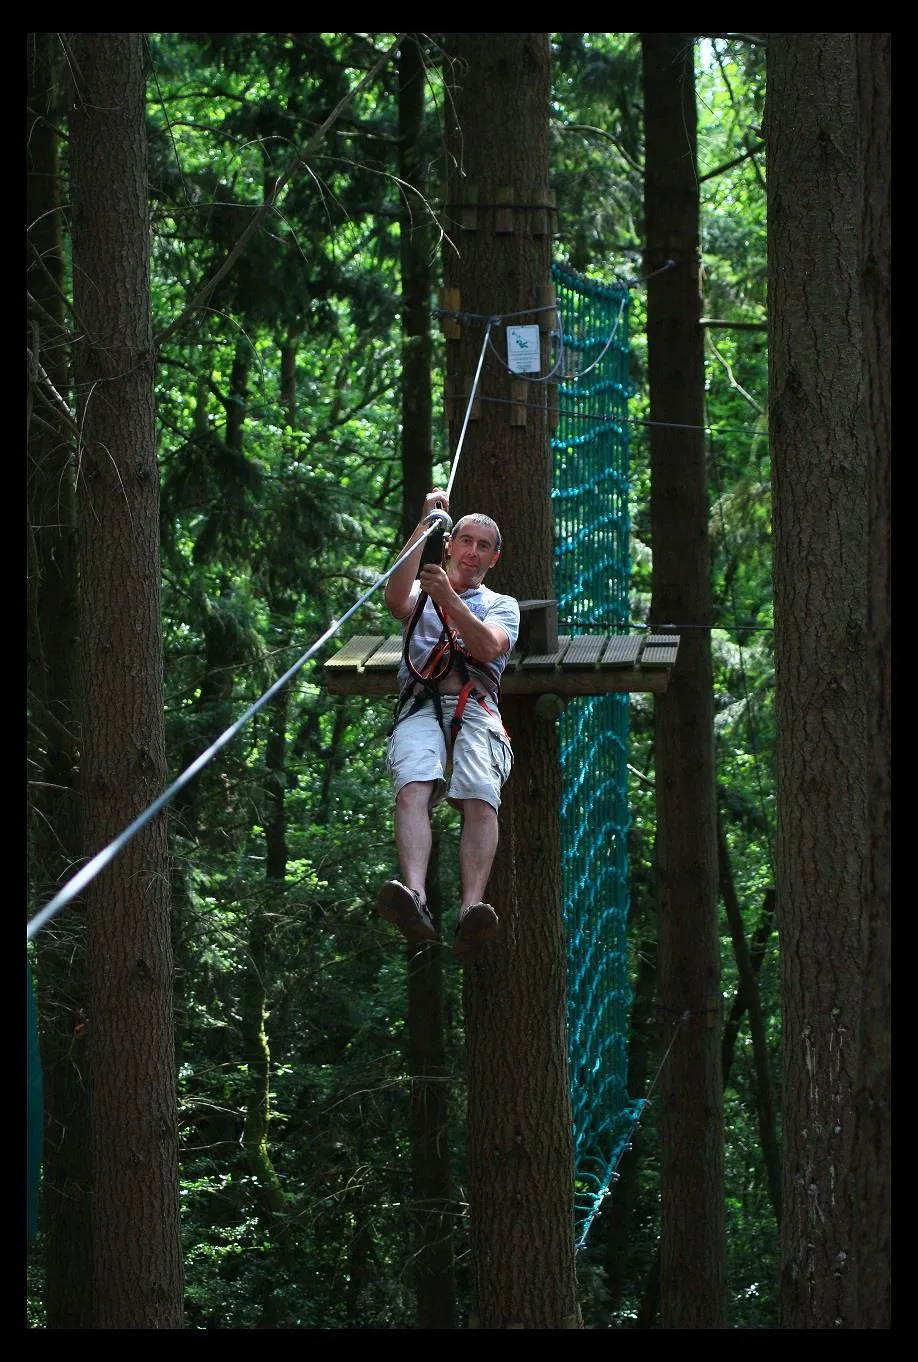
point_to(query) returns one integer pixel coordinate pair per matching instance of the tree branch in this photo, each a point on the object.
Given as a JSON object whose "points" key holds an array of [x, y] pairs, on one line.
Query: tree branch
{"points": [[205, 292]]}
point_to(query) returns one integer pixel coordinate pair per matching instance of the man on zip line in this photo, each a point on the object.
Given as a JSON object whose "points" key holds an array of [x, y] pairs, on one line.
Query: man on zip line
{"points": [[458, 635]]}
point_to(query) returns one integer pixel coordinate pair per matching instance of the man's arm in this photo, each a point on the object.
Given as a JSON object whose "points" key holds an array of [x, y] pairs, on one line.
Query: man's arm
{"points": [[399, 592], [484, 641]]}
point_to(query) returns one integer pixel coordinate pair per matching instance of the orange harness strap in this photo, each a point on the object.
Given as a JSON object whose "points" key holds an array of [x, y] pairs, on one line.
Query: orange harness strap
{"points": [[433, 672]]}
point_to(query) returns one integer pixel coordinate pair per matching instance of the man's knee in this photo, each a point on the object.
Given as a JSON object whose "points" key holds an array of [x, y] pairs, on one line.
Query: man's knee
{"points": [[415, 795], [477, 810]]}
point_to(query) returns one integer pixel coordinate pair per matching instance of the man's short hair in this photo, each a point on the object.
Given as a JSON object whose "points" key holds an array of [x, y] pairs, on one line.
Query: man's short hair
{"points": [[478, 518]]}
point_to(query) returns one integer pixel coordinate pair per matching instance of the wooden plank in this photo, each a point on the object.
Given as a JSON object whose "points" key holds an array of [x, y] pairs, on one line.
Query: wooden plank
{"points": [[374, 684], [584, 651], [621, 650], [585, 681], [355, 651], [548, 659], [662, 641], [658, 657], [389, 654]]}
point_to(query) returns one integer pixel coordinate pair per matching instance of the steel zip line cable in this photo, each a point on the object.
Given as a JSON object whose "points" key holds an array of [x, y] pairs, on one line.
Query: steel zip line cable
{"points": [[465, 422]]}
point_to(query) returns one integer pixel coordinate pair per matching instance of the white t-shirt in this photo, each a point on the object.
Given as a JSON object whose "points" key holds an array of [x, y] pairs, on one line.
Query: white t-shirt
{"points": [[489, 606]]}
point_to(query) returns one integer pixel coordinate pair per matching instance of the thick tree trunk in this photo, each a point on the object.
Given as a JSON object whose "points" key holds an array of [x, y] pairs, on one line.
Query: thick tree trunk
{"points": [[872, 1308], [53, 643], [693, 1258], [498, 258], [135, 1207], [822, 466]]}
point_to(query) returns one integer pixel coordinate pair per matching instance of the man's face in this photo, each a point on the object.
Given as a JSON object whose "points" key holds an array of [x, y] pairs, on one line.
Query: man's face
{"points": [[470, 553]]}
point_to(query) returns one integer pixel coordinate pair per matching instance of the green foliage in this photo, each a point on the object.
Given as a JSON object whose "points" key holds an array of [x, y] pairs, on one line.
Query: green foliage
{"points": [[596, 148], [278, 411]]}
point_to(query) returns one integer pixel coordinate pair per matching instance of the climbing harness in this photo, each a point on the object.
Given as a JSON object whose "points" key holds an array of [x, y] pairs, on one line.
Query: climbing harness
{"points": [[446, 653]]}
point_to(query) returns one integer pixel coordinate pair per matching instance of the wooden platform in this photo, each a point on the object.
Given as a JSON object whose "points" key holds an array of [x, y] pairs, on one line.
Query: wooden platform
{"points": [[581, 665]]}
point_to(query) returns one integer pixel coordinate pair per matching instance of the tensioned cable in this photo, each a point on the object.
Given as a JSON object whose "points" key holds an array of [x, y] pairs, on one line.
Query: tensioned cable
{"points": [[103, 858], [624, 622], [627, 420], [484, 346]]}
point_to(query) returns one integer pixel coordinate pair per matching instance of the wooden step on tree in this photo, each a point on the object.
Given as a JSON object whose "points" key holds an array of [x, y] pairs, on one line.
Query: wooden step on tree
{"points": [[543, 662]]}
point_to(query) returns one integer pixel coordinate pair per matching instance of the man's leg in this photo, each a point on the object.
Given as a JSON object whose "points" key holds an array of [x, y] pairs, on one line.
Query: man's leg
{"points": [[413, 836], [405, 905], [478, 921], [477, 849], [481, 764]]}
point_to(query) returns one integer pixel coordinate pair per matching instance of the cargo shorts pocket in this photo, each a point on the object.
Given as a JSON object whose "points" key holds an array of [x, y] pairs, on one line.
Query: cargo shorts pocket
{"points": [[501, 754], [390, 766]]}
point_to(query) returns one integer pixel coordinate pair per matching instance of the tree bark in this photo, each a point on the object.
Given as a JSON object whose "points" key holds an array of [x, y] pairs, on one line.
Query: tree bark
{"points": [[135, 1207], [498, 257], [415, 255], [54, 754], [431, 1146], [615, 1223], [822, 463], [693, 1257], [253, 1002], [748, 991], [873, 1133], [650, 1297], [431, 1173]]}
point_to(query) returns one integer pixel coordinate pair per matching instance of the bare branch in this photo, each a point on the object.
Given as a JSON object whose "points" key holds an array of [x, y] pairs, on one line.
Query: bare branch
{"points": [[728, 165]]}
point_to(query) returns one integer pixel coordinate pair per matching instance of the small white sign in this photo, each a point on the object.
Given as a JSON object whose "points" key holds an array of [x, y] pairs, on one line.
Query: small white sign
{"points": [[523, 349]]}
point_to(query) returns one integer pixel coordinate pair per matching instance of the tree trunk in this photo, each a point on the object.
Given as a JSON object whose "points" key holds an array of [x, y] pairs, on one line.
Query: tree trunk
{"points": [[748, 991], [693, 1258], [760, 939], [253, 1004], [616, 1222], [415, 246], [431, 1180], [822, 463], [498, 259], [53, 634], [434, 1266], [650, 1299], [872, 1308], [135, 1207]]}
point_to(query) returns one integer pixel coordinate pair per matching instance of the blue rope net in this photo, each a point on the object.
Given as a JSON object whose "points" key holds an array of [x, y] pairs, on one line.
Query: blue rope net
{"points": [[592, 566]]}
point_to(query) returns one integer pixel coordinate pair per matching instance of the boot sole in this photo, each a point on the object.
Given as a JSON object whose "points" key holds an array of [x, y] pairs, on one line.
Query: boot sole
{"points": [[398, 907], [477, 927]]}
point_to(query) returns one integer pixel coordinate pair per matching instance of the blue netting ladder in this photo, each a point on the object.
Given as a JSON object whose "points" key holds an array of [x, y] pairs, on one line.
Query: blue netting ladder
{"points": [[592, 567]]}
